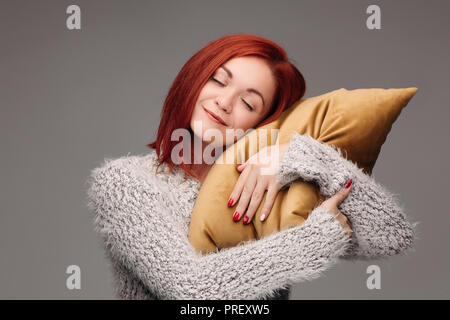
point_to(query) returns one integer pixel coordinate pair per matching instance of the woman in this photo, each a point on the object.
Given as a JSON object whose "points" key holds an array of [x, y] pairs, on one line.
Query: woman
{"points": [[142, 204]]}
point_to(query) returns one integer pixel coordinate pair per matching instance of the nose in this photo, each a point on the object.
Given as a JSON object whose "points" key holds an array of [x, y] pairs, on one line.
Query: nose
{"points": [[224, 103]]}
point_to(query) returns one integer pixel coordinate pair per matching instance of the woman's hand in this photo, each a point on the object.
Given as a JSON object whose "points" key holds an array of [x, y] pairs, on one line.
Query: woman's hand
{"points": [[332, 203], [258, 174]]}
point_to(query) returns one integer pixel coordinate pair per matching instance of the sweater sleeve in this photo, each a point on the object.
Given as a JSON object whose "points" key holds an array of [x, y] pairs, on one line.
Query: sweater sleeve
{"points": [[380, 227], [134, 219]]}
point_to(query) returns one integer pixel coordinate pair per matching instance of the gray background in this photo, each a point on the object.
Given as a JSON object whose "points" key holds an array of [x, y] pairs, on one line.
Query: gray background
{"points": [[70, 98]]}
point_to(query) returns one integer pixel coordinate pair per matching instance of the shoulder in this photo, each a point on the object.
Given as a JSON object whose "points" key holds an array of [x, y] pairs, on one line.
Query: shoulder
{"points": [[113, 167], [121, 170], [121, 178], [141, 169]]}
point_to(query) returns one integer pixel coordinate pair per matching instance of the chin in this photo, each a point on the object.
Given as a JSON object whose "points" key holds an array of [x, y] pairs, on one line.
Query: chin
{"points": [[200, 134], [205, 126]]}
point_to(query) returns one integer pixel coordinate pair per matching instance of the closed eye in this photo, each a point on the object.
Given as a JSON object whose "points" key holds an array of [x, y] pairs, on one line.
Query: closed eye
{"points": [[220, 83], [249, 106]]}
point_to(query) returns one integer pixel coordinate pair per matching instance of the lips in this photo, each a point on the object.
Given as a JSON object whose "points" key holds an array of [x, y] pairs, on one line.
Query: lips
{"points": [[219, 119]]}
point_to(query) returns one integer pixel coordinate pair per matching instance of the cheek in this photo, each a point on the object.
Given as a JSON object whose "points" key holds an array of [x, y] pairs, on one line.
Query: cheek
{"points": [[205, 93], [195, 114], [245, 120]]}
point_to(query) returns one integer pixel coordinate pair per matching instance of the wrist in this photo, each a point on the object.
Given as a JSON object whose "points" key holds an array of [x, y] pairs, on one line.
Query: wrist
{"points": [[283, 149], [303, 159]]}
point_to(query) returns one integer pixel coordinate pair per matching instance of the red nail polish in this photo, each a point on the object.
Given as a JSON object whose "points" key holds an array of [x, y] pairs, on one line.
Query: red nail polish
{"points": [[230, 202], [236, 216], [245, 220], [348, 183]]}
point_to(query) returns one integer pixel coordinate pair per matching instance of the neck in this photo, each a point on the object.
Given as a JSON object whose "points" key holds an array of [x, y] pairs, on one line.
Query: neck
{"points": [[201, 169]]}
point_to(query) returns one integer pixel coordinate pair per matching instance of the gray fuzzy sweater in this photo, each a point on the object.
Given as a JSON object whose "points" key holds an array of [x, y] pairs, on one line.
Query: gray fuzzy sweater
{"points": [[144, 218]]}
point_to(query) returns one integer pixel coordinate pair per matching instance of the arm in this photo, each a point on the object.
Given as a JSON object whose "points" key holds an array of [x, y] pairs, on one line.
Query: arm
{"points": [[134, 218], [380, 227]]}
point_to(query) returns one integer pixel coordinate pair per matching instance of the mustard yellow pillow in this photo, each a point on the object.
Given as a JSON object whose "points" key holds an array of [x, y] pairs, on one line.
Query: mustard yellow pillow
{"points": [[357, 121]]}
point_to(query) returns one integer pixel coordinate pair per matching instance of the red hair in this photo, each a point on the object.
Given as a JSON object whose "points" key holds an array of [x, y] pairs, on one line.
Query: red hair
{"points": [[182, 97]]}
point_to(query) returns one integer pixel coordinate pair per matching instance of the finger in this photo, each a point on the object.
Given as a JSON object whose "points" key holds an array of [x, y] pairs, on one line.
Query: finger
{"points": [[337, 199], [246, 194], [349, 223], [241, 166], [269, 201], [255, 201], [349, 227], [344, 221], [238, 187], [349, 232]]}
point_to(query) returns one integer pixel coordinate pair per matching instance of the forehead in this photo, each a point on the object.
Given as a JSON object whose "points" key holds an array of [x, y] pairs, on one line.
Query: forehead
{"points": [[252, 66], [252, 73]]}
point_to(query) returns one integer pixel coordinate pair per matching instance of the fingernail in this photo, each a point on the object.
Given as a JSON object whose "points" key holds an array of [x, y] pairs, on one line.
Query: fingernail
{"points": [[245, 220], [348, 183], [236, 216], [262, 217], [230, 202]]}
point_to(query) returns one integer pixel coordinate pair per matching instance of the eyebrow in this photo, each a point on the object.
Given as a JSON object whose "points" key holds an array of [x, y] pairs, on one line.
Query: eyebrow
{"points": [[249, 89]]}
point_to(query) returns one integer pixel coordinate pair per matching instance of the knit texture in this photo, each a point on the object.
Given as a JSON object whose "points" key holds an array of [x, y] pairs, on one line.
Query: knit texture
{"points": [[143, 220], [380, 227]]}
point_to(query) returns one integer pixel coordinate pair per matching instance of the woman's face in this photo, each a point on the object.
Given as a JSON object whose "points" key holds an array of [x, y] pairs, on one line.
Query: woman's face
{"points": [[240, 93]]}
